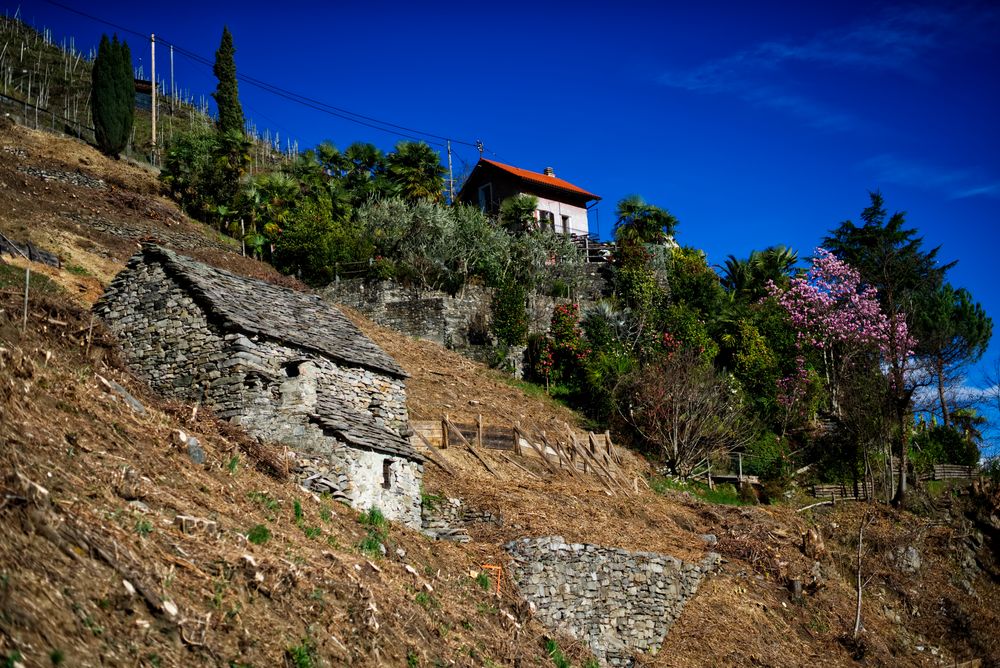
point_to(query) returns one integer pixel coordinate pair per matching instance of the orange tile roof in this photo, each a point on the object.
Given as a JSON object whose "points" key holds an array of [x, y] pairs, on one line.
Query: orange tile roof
{"points": [[542, 179]]}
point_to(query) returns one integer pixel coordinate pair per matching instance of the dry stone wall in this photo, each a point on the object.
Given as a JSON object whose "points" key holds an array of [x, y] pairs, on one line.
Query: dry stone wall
{"points": [[460, 322], [269, 389], [618, 602], [427, 314]]}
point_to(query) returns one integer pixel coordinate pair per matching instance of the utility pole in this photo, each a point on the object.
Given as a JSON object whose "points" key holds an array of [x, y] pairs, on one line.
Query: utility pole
{"points": [[451, 178], [173, 90], [152, 69]]}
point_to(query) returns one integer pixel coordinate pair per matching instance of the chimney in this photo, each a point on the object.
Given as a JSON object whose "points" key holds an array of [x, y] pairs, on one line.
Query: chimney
{"points": [[549, 171]]}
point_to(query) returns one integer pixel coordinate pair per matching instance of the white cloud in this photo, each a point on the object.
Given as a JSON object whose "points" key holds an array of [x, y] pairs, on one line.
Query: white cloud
{"points": [[897, 40], [955, 183]]}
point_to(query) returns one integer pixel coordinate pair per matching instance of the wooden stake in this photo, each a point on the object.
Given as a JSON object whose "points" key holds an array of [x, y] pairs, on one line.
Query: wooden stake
{"points": [[548, 446], [596, 472], [563, 458], [511, 460], [468, 445], [440, 463], [27, 282], [479, 430], [152, 78], [541, 453]]}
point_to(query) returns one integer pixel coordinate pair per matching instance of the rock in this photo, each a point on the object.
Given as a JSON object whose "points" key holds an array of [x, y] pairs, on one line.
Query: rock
{"points": [[812, 544], [132, 402], [139, 505], [196, 525], [195, 451], [908, 559], [710, 538]]}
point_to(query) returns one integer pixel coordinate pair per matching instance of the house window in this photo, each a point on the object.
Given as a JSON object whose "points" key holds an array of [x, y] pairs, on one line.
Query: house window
{"points": [[486, 196], [386, 473], [565, 225], [546, 220]]}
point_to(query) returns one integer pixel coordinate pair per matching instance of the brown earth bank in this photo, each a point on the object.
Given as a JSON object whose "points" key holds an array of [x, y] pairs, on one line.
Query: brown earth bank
{"points": [[96, 569]]}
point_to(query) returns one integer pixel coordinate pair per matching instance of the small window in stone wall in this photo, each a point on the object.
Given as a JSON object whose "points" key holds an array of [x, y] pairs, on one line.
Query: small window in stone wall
{"points": [[292, 368], [386, 473]]}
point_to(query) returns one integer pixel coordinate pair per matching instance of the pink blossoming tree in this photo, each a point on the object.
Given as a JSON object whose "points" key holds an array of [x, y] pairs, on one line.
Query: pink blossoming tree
{"points": [[834, 313]]}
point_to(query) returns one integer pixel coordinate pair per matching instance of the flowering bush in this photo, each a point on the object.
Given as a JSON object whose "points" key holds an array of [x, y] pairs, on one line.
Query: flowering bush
{"points": [[834, 313], [563, 353]]}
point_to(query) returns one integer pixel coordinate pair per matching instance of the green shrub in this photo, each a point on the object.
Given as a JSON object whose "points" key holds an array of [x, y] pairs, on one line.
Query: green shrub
{"points": [[942, 445], [371, 544], [510, 315], [143, 527], [264, 499], [558, 658], [259, 534], [373, 518], [302, 655], [991, 468]]}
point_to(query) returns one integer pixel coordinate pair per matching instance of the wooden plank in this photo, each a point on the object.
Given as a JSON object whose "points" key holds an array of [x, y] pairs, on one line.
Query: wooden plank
{"points": [[564, 456], [441, 464], [541, 453], [597, 473], [525, 469], [575, 446], [549, 446], [576, 451], [468, 446], [611, 448], [602, 454], [616, 466], [611, 476]]}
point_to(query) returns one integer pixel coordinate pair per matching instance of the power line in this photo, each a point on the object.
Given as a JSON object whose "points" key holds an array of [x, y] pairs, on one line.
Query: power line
{"points": [[291, 96]]}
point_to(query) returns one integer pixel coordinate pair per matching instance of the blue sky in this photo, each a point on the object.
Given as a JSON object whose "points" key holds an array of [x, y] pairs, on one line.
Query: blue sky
{"points": [[754, 123]]}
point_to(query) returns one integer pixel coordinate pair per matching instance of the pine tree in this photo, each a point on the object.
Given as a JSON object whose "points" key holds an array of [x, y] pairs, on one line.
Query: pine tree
{"points": [[226, 94], [112, 95]]}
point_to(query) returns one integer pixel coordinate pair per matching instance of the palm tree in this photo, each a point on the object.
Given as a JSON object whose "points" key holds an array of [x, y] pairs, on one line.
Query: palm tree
{"points": [[642, 223], [737, 275], [416, 168], [968, 422], [774, 263], [747, 279], [363, 172]]}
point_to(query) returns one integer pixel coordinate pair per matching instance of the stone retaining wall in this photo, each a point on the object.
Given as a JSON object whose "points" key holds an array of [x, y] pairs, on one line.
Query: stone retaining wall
{"points": [[460, 322], [618, 602]]}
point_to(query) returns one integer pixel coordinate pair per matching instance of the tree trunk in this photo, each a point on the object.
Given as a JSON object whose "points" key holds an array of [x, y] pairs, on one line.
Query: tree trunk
{"points": [[939, 369], [902, 403]]}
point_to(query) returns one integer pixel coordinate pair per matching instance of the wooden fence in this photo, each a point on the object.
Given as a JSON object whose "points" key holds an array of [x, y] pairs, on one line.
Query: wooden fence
{"points": [[841, 491], [950, 472], [565, 452]]}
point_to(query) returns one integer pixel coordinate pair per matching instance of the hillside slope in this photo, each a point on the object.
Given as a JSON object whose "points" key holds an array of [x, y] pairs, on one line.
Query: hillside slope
{"points": [[93, 489]]}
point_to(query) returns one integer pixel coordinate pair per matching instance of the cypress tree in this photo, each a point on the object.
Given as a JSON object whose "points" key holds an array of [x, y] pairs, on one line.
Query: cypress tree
{"points": [[226, 94], [112, 95]]}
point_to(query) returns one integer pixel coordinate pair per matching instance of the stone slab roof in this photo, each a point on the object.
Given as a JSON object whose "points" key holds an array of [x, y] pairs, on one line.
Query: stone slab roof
{"points": [[359, 430], [284, 315]]}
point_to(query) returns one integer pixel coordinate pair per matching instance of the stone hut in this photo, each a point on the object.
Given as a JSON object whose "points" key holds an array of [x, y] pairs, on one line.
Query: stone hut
{"points": [[286, 366]]}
